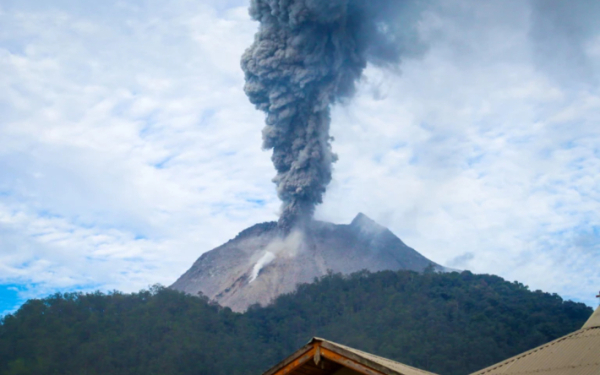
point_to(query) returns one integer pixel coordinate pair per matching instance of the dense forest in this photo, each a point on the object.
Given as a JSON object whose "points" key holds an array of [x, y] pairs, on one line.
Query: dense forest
{"points": [[452, 323]]}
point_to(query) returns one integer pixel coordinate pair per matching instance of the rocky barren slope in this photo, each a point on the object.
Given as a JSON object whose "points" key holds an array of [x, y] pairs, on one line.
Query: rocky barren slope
{"points": [[258, 265]]}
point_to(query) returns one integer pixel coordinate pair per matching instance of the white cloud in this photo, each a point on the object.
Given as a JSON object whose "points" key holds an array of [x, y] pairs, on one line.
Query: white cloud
{"points": [[127, 146]]}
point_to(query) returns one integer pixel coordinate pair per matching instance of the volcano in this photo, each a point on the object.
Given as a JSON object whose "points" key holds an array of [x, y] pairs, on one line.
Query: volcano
{"points": [[259, 264]]}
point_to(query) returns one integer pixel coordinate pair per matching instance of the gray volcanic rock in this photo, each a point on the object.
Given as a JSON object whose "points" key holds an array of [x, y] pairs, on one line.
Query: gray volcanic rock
{"points": [[258, 265]]}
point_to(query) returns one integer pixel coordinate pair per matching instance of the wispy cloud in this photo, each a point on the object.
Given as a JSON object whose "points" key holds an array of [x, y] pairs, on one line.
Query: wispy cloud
{"points": [[128, 147]]}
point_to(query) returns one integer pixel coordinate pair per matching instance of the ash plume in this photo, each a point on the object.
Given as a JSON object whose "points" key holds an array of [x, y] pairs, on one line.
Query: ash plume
{"points": [[306, 56]]}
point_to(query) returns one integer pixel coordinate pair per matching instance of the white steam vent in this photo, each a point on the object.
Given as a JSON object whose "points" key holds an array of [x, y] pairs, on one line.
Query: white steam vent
{"points": [[263, 261], [287, 247]]}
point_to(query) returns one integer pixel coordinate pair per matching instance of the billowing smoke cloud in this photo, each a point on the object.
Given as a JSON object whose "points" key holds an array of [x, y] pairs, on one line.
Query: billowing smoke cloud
{"points": [[307, 55]]}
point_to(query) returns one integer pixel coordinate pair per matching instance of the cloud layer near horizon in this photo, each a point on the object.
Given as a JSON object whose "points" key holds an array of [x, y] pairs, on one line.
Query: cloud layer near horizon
{"points": [[127, 147]]}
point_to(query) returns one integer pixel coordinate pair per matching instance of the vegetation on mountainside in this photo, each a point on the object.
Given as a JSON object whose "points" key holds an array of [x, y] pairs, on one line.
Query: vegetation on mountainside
{"points": [[452, 323]]}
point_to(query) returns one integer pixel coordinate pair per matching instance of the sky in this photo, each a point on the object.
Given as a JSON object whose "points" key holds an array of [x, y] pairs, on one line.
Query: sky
{"points": [[128, 147]]}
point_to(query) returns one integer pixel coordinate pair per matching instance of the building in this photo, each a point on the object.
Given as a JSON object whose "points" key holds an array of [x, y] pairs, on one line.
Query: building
{"points": [[322, 357], [575, 354]]}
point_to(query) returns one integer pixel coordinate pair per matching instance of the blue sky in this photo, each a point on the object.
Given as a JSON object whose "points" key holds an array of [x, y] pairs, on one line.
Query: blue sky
{"points": [[9, 298], [128, 148]]}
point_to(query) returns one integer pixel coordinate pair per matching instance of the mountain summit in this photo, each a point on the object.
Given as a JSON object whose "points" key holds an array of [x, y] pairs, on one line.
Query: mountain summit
{"points": [[259, 265]]}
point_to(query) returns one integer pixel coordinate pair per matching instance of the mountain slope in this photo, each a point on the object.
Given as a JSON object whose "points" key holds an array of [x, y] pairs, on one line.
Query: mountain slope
{"points": [[258, 265]]}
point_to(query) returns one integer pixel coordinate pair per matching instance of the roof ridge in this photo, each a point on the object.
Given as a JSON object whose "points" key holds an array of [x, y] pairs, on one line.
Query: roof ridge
{"points": [[362, 351], [593, 320], [373, 358]]}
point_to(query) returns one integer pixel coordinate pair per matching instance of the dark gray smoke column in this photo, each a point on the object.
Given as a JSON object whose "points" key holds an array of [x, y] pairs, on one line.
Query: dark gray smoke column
{"points": [[307, 55]]}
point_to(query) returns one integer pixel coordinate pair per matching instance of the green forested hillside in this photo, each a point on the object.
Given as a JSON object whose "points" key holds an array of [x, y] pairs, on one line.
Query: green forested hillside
{"points": [[451, 323]]}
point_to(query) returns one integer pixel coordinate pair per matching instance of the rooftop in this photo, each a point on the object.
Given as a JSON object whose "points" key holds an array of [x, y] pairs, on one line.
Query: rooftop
{"points": [[575, 354], [322, 357]]}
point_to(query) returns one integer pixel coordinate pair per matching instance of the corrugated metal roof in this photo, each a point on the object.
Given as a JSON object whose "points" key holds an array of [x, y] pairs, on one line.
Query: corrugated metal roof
{"points": [[574, 354], [396, 367], [366, 363]]}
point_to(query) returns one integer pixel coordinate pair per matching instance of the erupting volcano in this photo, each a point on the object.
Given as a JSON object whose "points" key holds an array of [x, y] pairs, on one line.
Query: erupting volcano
{"points": [[308, 55], [259, 264]]}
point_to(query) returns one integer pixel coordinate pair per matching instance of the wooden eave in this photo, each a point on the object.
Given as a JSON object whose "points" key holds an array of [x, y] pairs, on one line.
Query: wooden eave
{"points": [[321, 354]]}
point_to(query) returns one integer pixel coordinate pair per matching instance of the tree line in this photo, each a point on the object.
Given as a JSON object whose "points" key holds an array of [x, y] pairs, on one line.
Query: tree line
{"points": [[447, 323]]}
